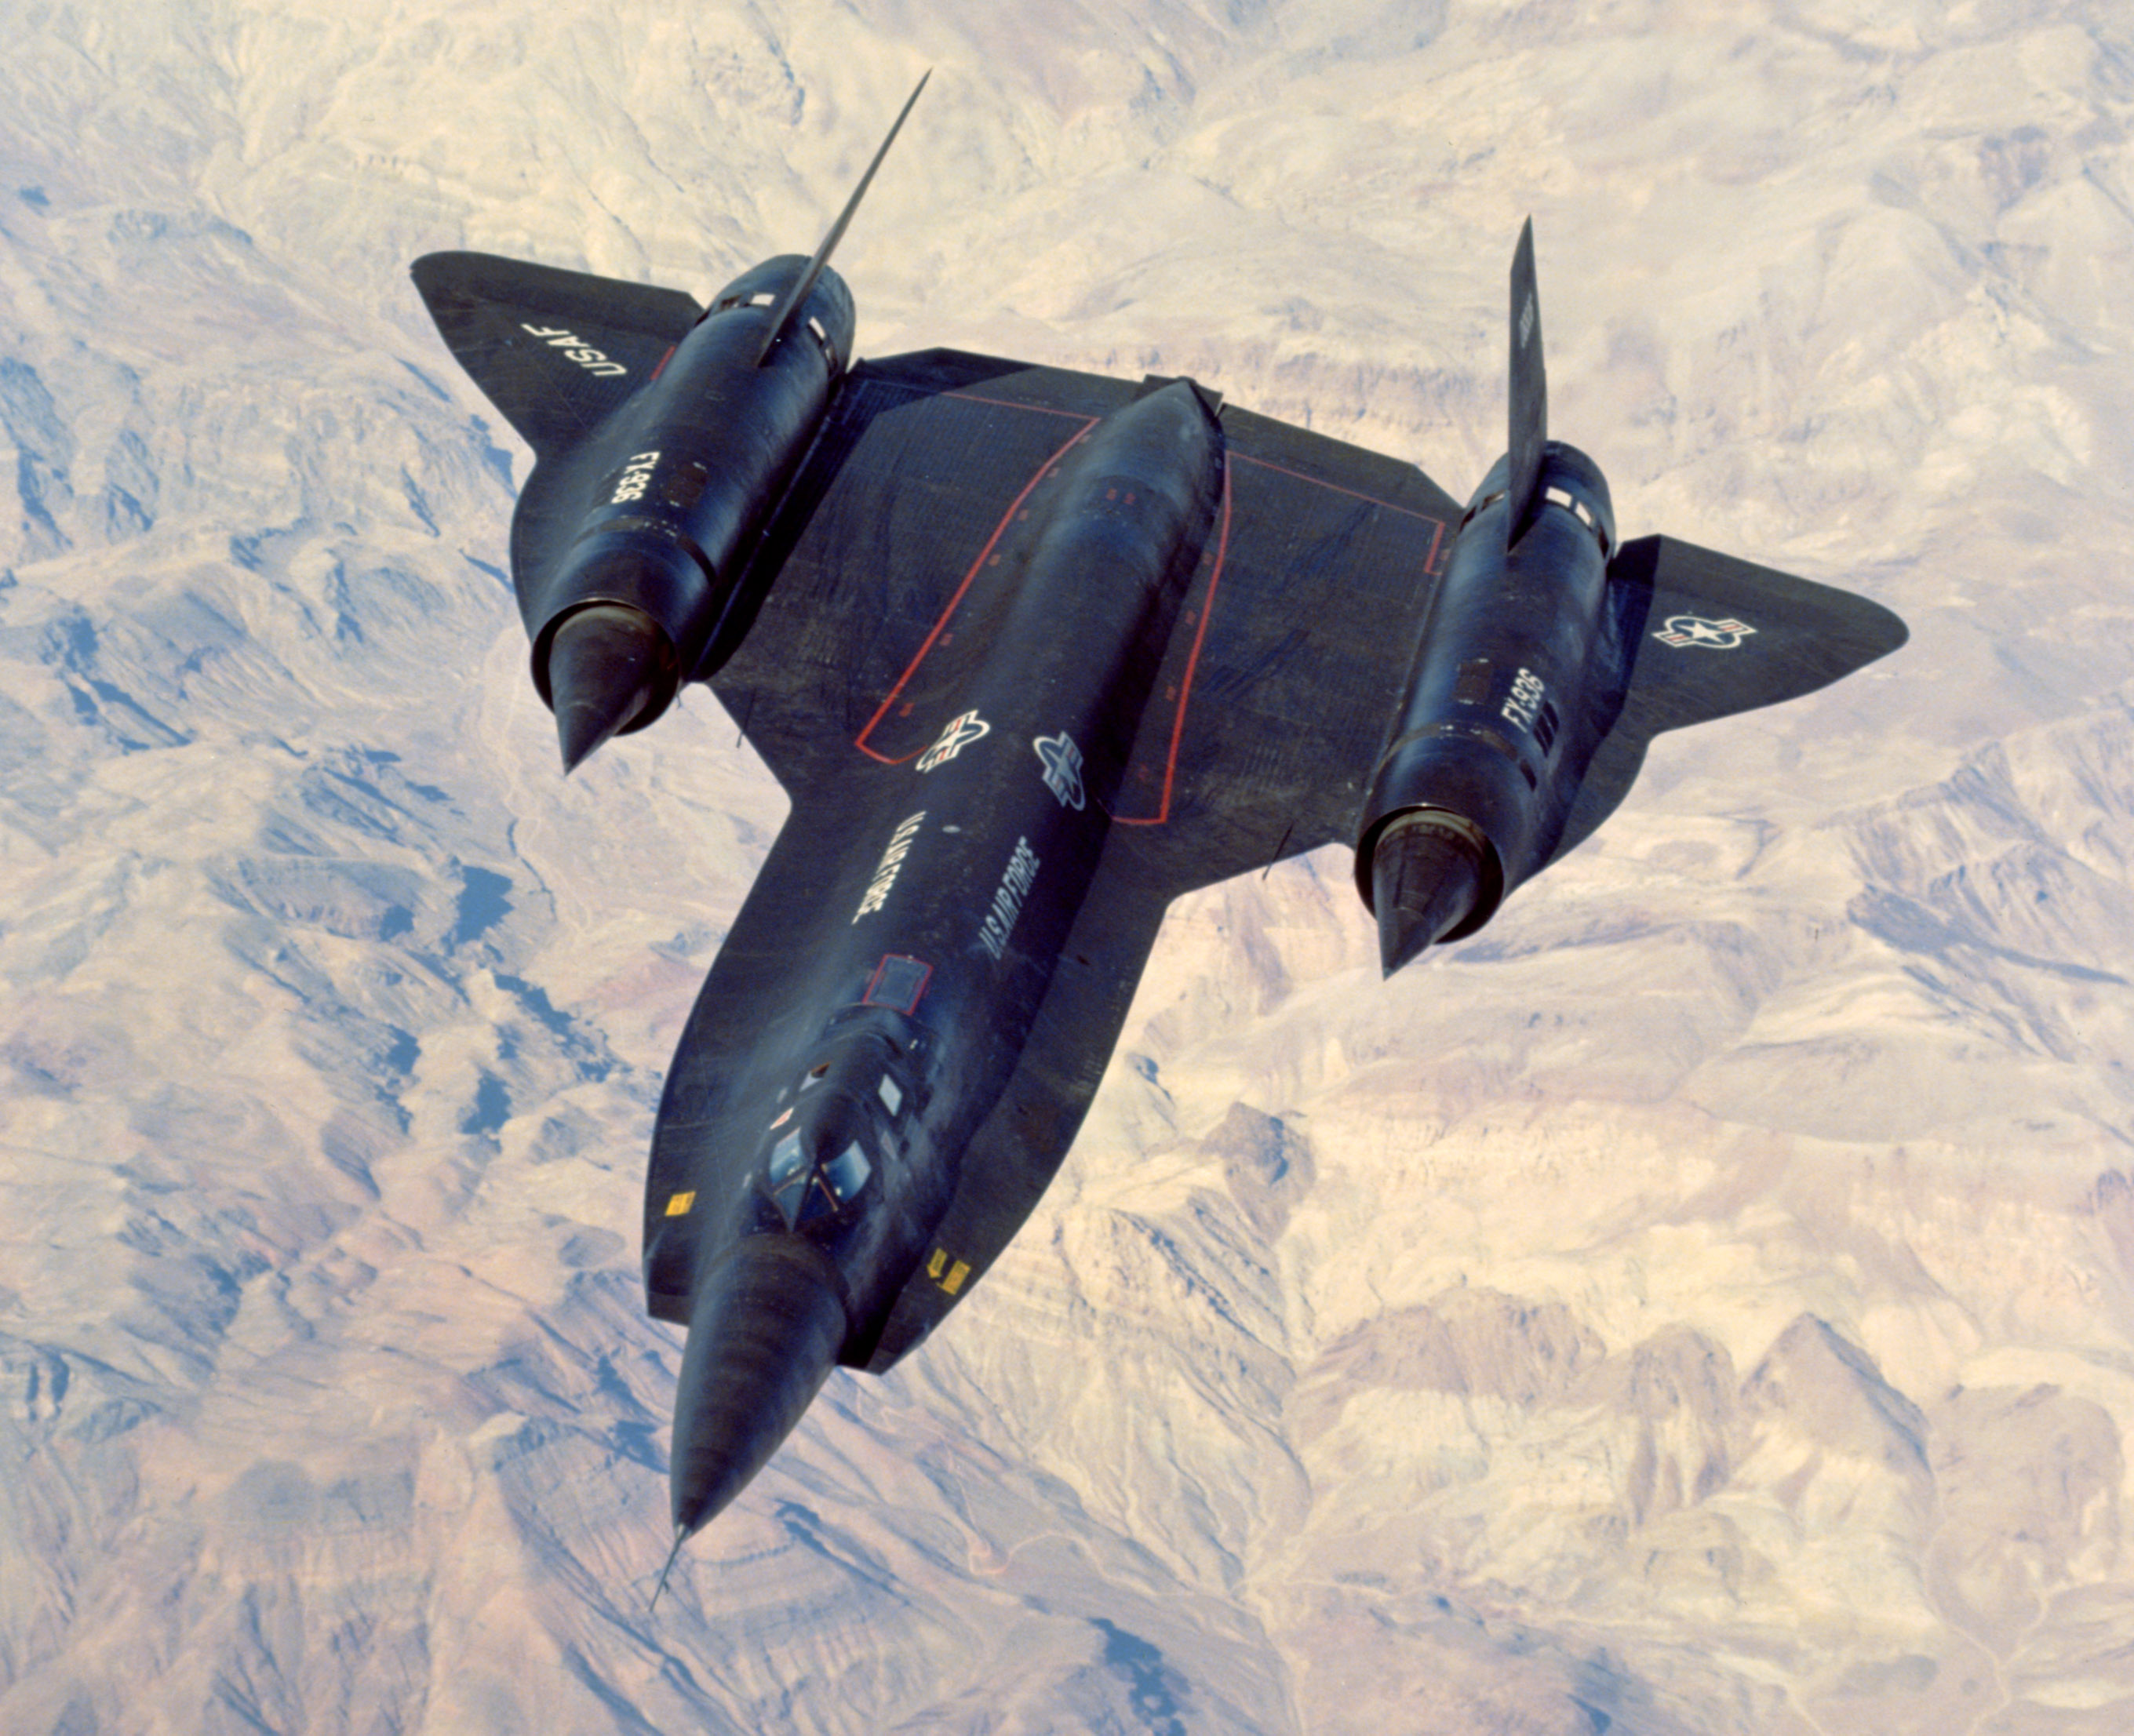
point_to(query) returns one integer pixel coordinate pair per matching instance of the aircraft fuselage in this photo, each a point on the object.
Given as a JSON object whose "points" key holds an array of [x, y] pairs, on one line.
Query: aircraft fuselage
{"points": [[803, 1179], [910, 1014]]}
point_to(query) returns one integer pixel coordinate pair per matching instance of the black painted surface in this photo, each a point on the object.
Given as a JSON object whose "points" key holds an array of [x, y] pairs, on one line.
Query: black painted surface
{"points": [[1034, 653]]}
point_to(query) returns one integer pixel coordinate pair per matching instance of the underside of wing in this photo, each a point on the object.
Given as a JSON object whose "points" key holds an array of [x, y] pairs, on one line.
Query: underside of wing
{"points": [[555, 352], [1277, 683], [1706, 636]]}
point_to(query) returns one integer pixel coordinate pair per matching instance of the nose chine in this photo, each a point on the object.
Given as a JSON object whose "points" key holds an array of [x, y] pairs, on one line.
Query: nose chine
{"points": [[766, 1326]]}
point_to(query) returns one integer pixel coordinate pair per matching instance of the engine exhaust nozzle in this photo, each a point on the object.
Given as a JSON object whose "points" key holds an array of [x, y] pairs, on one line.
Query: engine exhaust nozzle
{"points": [[609, 665], [1427, 871]]}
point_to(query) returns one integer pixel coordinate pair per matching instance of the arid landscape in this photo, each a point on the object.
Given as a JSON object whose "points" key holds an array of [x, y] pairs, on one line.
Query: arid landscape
{"points": [[1701, 1303]]}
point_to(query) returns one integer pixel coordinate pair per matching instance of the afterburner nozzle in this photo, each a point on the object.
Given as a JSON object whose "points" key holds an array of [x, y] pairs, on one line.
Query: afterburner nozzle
{"points": [[606, 664], [1426, 874], [764, 1329]]}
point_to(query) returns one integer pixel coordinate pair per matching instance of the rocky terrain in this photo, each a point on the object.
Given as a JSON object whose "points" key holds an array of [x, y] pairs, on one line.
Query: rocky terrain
{"points": [[1703, 1303]]}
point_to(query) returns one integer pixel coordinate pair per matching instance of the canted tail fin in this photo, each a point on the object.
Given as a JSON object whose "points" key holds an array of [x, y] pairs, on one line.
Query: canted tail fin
{"points": [[1529, 392], [796, 297]]}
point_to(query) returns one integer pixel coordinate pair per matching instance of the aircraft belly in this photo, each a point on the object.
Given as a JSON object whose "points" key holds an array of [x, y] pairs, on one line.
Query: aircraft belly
{"points": [[1013, 1153], [965, 846]]}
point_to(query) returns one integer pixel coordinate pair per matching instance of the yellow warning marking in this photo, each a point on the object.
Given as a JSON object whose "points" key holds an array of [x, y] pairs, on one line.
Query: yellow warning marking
{"points": [[935, 1266], [957, 1274], [678, 1203]]}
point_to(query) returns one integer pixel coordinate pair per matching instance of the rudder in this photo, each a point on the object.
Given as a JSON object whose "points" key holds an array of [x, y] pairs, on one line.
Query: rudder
{"points": [[1527, 438]]}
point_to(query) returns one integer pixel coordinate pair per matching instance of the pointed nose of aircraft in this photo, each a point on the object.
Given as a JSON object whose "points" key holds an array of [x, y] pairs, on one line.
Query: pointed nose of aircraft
{"points": [[1426, 872], [606, 663], [764, 1329]]}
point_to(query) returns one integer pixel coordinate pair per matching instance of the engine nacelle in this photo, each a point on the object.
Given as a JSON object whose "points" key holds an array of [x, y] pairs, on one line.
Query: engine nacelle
{"points": [[676, 492], [1494, 729]]}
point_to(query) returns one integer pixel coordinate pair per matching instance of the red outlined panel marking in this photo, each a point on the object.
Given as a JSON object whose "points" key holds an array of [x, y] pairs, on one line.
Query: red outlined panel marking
{"points": [[1192, 663], [1010, 403], [1437, 524], [897, 983], [1139, 772], [985, 554], [1205, 608]]}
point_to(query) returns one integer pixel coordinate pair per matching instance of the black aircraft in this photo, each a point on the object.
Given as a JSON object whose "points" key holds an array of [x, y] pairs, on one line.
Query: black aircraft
{"points": [[1033, 652]]}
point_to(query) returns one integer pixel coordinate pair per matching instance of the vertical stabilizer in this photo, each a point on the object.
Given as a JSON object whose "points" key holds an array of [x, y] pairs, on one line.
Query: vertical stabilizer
{"points": [[796, 297], [1529, 391]]}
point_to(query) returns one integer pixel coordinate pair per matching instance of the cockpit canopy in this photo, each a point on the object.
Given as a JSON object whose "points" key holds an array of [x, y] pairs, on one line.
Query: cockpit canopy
{"points": [[846, 1114], [805, 1185]]}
